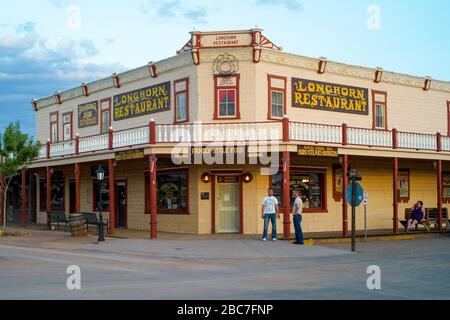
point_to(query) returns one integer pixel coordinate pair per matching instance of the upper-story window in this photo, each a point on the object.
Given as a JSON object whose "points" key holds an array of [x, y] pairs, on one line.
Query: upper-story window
{"points": [[54, 127], [379, 102], [105, 115], [67, 126], [181, 89], [226, 97], [277, 97]]}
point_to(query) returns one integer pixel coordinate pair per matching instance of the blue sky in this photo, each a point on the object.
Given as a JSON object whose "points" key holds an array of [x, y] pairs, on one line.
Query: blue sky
{"points": [[51, 45]]}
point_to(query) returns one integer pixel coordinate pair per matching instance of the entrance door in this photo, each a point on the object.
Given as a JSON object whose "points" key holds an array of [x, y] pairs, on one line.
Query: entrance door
{"points": [[227, 204], [121, 205], [72, 197]]}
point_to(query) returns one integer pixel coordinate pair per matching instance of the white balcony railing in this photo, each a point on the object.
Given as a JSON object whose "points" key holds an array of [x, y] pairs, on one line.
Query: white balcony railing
{"points": [[240, 132], [245, 133], [315, 132], [131, 137], [445, 142], [410, 140], [367, 137], [62, 148], [94, 143]]}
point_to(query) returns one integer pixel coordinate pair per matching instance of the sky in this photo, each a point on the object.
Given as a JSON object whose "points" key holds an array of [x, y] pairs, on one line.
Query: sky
{"points": [[51, 45]]}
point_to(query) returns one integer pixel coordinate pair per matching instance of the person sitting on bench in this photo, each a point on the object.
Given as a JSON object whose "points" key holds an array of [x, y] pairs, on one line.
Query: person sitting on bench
{"points": [[417, 215]]}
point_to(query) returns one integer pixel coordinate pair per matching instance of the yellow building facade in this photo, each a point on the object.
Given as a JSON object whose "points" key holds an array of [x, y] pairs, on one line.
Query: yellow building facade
{"points": [[192, 143]]}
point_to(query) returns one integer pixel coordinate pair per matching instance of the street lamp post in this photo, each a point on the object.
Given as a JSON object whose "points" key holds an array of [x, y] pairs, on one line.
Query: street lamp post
{"points": [[100, 177]]}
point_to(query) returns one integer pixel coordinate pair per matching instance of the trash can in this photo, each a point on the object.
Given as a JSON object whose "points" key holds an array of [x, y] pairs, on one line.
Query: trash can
{"points": [[77, 225]]}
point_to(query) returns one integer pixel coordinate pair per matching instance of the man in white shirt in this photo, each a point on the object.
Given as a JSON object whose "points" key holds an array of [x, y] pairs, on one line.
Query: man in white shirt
{"points": [[297, 212], [269, 211]]}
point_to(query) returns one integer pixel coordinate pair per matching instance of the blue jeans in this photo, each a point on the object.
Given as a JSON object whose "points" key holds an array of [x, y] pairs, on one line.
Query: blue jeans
{"points": [[298, 228], [273, 219]]}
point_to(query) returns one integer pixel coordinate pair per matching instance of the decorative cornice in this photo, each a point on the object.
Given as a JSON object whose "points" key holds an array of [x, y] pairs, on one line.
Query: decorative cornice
{"points": [[129, 76], [350, 70]]}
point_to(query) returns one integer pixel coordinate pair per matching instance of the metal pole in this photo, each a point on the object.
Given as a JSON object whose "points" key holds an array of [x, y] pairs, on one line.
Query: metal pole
{"points": [[365, 222], [101, 238], [353, 213]]}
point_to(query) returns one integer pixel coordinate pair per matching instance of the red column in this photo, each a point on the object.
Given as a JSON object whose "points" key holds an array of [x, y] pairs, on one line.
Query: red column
{"points": [[152, 131], [438, 142], [344, 199], [153, 205], [439, 199], [49, 196], [111, 138], [344, 134], [286, 196], [395, 196], [77, 187], [24, 198], [286, 129], [112, 197], [394, 138]]}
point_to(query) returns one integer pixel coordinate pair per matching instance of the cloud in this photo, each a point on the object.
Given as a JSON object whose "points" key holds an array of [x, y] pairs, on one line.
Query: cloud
{"points": [[31, 66], [294, 5], [175, 10]]}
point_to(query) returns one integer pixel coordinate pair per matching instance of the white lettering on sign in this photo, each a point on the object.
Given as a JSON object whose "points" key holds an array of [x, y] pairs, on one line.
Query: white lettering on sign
{"points": [[226, 40]]}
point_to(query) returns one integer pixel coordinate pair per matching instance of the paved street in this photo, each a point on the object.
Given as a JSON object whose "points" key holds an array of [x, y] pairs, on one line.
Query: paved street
{"points": [[34, 267]]}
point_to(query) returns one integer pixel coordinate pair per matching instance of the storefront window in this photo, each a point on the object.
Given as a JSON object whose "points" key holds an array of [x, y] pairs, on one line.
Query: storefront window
{"points": [[172, 191], [310, 184], [101, 197], [446, 186], [57, 195]]}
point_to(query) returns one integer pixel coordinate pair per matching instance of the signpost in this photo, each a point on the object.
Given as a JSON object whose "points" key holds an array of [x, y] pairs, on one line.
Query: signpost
{"points": [[354, 194]]}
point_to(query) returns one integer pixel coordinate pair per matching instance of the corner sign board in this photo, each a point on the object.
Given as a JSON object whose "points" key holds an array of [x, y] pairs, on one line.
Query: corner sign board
{"points": [[129, 155], [314, 151]]}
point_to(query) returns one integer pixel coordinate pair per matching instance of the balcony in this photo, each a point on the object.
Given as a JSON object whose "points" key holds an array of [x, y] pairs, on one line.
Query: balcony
{"points": [[246, 132]]}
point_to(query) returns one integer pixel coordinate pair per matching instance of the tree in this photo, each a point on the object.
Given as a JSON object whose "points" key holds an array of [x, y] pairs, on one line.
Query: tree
{"points": [[17, 151]]}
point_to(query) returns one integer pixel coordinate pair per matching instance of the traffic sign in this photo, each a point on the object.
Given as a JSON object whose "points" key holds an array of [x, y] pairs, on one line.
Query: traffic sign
{"points": [[359, 194]]}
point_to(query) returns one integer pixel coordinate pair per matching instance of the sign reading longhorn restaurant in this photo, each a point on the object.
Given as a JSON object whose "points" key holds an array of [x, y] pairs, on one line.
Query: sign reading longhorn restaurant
{"points": [[329, 97], [142, 101]]}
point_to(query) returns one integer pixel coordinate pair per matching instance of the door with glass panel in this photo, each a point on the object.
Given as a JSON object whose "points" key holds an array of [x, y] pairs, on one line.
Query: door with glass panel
{"points": [[227, 204]]}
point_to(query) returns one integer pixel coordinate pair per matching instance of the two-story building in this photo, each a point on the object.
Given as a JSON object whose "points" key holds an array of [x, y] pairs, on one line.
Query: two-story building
{"points": [[191, 144]]}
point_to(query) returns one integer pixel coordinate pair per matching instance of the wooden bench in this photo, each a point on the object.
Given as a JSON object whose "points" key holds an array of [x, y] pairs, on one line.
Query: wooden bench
{"points": [[91, 219], [431, 218], [59, 218]]}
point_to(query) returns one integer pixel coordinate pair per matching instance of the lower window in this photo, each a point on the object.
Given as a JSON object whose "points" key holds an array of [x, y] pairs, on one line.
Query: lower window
{"points": [[57, 195], [311, 186], [172, 192], [101, 196]]}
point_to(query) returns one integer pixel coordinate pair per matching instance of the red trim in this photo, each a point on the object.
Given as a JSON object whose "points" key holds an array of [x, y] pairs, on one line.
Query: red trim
{"points": [[216, 98], [384, 104], [440, 194], [395, 195], [404, 199], [337, 196], [344, 200], [101, 114], [344, 134], [286, 195], [77, 187], [214, 177], [153, 198], [57, 126], [213, 203], [186, 90], [71, 125], [448, 118], [269, 96], [152, 132], [49, 196], [112, 198], [394, 138]]}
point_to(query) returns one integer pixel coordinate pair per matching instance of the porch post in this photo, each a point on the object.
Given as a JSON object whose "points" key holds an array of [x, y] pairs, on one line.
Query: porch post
{"points": [[77, 187], [440, 191], [112, 197], [395, 195], [286, 196], [24, 198], [49, 197], [153, 205], [344, 198]]}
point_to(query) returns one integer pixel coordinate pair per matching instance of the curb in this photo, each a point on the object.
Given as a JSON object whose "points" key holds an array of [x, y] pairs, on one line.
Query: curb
{"points": [[374, 238]]}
